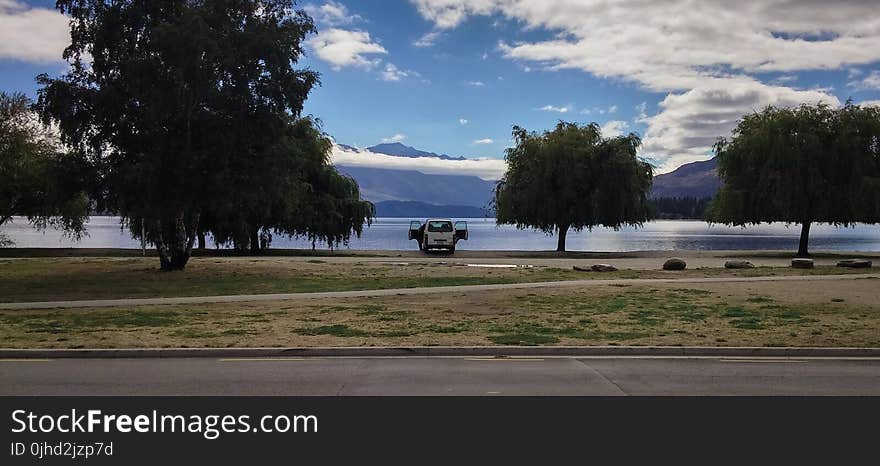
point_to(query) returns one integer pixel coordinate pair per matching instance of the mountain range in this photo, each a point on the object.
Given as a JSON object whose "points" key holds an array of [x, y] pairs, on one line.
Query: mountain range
{"points": [[410, 193]]}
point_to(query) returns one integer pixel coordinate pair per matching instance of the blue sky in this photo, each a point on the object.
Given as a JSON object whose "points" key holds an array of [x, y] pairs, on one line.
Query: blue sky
{"points": [[453, 76]]}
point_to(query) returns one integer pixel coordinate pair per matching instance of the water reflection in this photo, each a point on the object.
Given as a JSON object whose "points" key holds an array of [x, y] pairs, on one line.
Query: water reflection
{"points": [[106, 232]]}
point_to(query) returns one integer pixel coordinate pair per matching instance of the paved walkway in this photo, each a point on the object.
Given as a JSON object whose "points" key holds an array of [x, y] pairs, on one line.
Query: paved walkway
{"points": [[412, 291]]}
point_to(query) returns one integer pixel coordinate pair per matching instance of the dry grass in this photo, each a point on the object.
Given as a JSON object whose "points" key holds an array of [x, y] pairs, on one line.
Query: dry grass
{"points": [[833, 313], [51, 279]]}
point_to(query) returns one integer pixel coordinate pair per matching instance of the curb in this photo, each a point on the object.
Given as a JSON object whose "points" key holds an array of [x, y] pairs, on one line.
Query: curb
{"points": [[443, 351]]}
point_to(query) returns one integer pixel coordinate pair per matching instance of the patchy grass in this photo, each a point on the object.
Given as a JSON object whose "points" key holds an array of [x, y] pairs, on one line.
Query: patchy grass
{"points": [[665, 314], [77, 278]]}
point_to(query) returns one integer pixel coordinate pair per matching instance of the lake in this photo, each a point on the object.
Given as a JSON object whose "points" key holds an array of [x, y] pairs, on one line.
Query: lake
{"points": [[391, 233]]}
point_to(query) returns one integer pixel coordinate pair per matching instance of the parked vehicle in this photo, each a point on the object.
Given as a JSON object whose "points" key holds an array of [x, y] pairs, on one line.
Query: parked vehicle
{"points": [[438, 233]]}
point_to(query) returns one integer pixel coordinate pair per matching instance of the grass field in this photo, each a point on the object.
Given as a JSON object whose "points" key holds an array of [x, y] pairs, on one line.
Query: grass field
{"points": [[51, 279], [728, 314]]}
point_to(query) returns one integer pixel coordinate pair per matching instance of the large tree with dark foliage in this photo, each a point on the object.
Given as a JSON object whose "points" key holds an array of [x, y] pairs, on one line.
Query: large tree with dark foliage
{"points": [[193, 110], [804, 165], [38, 178], [573, 178]]}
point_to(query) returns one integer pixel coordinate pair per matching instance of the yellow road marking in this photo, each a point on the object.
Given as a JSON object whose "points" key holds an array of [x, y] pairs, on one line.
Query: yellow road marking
{"points": [[260, 359], [25, 360]]}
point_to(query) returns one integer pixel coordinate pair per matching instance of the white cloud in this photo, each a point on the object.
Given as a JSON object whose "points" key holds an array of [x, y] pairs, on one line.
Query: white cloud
{"points": [[462, 121], [487, 169], [696, 52], [612, 109], [392, 73], [613, 128], [689, 123], [428, 40], [870, 103], [475, 83], [484, 141], [331, 14], [869, 82], [553, 108], [342, 48], [36, 35], [641, 115], [396, 138]]}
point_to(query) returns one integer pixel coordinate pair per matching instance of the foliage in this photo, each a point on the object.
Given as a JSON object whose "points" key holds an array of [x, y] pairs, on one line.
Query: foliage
{"points": [[193, 111], [808, 164], [573, 178], [39, 180], [679, 207]]}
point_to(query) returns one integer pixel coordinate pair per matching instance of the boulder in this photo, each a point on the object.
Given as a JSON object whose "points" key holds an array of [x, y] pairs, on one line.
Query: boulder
{"points": [[855, 263], [739, 265], [603, 268], [802, 263], [674, 264]]}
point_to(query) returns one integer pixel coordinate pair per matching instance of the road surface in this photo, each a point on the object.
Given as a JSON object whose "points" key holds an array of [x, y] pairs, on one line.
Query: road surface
{"points": [[442, 376], [128, 302]]}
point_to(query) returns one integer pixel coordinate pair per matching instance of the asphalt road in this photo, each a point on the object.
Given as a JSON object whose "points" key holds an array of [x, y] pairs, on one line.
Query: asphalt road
{"points": [[441, 376]]}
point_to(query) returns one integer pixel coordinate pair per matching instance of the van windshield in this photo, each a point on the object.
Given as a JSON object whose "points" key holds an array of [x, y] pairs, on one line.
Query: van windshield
{"points": [[440, 227]]}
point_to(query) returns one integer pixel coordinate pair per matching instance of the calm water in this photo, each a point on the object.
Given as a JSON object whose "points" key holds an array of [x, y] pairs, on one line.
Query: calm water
{"points": [[387, 233]]}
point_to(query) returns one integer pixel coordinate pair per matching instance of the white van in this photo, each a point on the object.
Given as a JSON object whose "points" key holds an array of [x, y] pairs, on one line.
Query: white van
{"points": [[438, 233]]}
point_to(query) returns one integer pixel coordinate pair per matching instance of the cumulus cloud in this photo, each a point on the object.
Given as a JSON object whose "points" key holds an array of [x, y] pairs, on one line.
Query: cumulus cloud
{"points": [[428, 40], [396, 138], [484, 141], [870, 103], [28, 34], [393, 73], [689, 123], [331, 14], [553, 108], [342, 48], [487, 169], [695, 52], [614, 128], [462, 121]]}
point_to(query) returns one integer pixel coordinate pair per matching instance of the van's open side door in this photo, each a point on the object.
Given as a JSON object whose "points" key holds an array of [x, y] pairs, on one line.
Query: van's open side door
{"points": [[461, 231]]}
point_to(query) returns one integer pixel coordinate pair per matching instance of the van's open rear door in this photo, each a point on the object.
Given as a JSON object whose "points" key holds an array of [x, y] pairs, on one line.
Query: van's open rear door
{"points": [[414, 228], [461, 231]]}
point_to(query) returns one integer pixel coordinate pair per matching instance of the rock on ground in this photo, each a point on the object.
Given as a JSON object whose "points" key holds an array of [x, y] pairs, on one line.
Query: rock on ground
{"points": [[674, 264], [738, 265], [855, 263], [802, 263]]}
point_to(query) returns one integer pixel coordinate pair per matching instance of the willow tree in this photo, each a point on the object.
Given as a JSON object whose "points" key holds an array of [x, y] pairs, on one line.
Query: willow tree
{"points": [[295, 193], [572, 178], [804, 165], [178, 100], [38, 178]]}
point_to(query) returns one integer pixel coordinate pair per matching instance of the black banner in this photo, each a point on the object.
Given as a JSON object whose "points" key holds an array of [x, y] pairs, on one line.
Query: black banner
{"points": [[240, 430]]}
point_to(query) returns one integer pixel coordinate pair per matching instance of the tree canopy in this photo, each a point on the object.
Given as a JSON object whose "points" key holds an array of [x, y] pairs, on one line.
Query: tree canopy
{"points": [[192, 110], [809, 164], [39, 180], [573, 178]]}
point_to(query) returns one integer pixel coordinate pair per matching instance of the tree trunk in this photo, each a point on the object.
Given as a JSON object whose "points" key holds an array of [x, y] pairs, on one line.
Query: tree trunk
{"points": [[175, 241], [803, 250], [560, 243], [255, 241], [201, 236]]}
